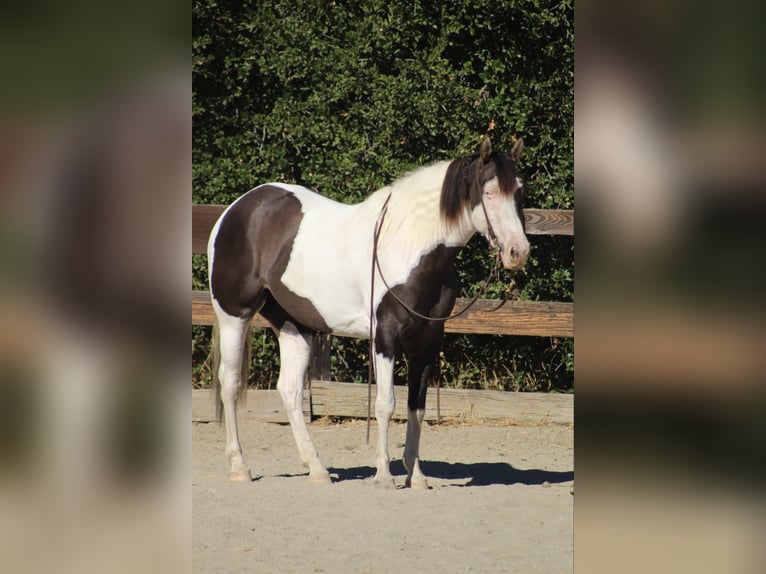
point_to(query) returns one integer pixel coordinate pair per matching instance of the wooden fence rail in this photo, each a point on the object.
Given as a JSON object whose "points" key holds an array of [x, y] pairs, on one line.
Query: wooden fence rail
{"points": [[534, 318]]}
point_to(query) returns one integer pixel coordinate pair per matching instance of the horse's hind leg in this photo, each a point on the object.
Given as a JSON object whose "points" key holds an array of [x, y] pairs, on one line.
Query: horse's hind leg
{"points": [[294, 354], [232, 332]]}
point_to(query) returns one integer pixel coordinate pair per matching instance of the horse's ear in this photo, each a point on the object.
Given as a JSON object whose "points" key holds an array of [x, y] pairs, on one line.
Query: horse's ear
{"points": [[485, 149], [516, 150]]}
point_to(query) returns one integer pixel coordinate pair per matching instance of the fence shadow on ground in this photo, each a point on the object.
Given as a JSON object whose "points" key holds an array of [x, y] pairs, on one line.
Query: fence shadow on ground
{"points": [[477, 473]]}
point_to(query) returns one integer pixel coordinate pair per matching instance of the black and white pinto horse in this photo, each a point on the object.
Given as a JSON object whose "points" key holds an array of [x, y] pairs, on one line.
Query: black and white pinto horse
{"points": [[304, 262]]}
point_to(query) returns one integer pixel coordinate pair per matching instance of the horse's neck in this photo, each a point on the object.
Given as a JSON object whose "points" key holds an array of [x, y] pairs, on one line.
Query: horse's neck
{"points": [[413, 216]]}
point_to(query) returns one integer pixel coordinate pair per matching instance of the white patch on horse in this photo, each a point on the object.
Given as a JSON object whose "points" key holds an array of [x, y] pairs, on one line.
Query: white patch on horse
{"points": [[326, 249]]}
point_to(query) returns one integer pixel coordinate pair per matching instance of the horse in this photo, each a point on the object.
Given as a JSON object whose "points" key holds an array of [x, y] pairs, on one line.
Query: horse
{"points": [[311, 265]]}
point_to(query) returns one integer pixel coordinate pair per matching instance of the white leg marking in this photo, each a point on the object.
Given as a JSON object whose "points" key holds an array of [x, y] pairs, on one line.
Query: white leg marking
{"points": [[232, 331], [294, 353], [385, 403], [415, 477]]}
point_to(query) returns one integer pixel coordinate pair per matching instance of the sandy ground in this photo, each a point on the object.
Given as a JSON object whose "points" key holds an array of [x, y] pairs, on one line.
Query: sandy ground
{"points": [[501, 500]]}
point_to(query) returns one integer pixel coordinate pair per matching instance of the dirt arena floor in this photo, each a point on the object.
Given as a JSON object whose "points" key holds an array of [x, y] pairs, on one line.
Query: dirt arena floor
{"points": [[500, 500]]}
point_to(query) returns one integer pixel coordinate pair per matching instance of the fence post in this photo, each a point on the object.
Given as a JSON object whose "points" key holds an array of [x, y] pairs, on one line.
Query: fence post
{"points": [[319, 364]]}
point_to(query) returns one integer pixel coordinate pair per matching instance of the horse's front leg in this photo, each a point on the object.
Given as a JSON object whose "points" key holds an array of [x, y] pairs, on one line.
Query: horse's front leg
{"points": [[422, 365], [420, 370], [415, 477], [385, 403]]}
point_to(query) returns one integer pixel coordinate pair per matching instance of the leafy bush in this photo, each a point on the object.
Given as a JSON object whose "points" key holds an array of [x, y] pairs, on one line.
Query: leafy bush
{"points": [[344, 97]]}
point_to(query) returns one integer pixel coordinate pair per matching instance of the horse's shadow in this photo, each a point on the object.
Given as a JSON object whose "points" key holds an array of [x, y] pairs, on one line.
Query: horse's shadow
{"points": [[478, 473]]}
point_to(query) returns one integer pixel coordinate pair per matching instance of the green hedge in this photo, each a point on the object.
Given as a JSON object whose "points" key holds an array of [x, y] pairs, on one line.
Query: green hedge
{"points": [[344, 97]]}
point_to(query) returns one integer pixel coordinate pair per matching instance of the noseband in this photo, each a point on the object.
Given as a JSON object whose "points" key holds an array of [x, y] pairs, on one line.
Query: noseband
{"points": [[491, 235]]}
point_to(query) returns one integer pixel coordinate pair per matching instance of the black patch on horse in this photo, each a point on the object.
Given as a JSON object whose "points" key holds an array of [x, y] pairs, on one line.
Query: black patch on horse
{"points": [[244, 279]]}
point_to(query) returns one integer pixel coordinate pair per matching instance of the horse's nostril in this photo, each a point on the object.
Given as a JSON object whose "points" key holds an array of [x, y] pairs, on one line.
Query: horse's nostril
{"points": [[514, 253]]}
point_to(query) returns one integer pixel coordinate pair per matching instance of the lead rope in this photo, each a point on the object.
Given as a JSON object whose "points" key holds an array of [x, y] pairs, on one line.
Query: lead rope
{"points": [[372, 371]]}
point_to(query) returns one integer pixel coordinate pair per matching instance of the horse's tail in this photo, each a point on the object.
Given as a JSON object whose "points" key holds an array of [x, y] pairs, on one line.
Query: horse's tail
{"points": [[215, 387], [247, 353]]}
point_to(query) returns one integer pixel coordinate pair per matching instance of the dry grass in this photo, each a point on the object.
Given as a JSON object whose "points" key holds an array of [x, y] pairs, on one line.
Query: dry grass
{"points": [[445, 422]]}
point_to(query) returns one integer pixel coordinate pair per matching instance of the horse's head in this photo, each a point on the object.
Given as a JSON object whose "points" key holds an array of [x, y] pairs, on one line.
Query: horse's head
{"points": [[484, 191], [497, 197]]}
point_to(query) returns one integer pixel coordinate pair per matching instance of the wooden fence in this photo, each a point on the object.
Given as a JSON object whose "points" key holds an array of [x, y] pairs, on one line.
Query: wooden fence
{"points": [[533, 318]]}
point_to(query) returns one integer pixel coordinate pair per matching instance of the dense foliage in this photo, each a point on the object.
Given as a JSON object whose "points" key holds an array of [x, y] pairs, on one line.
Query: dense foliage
{"points": [[344, 97]]}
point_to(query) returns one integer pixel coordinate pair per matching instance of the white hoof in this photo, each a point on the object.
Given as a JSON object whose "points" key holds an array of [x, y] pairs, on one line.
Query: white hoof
{"points": [[417, 484], [241, 476], [320, 477], [385, 483]]}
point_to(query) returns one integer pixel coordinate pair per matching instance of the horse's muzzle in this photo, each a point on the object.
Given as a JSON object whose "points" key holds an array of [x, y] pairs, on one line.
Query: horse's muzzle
{"points": [[514, 257]]}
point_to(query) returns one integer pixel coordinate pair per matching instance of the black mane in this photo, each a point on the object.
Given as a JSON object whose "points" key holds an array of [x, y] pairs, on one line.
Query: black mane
{"points": [[465, 178]]}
